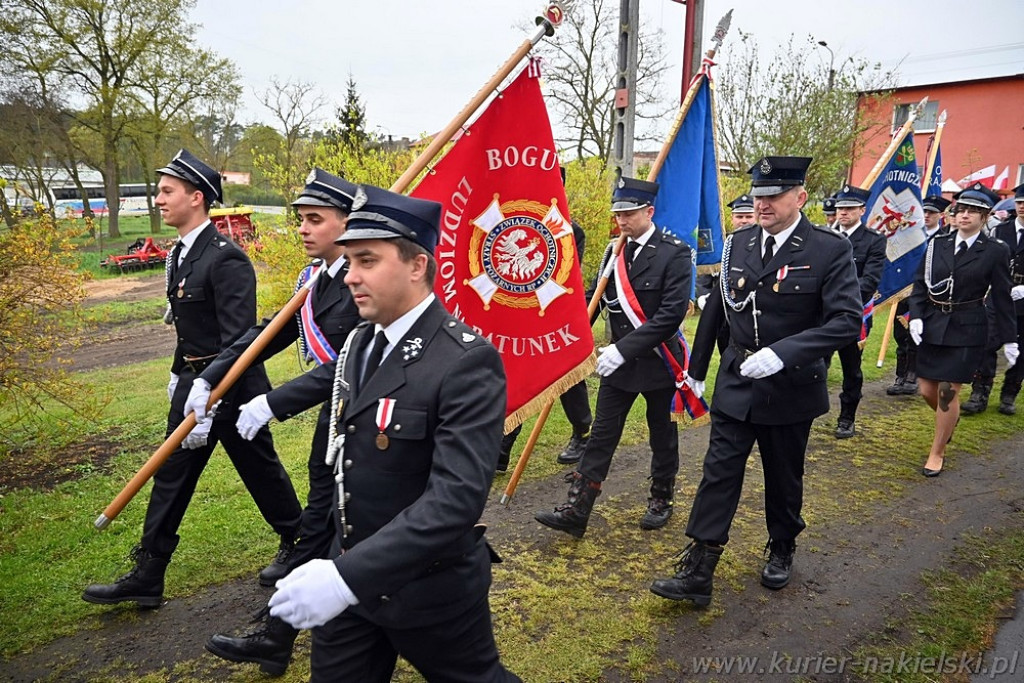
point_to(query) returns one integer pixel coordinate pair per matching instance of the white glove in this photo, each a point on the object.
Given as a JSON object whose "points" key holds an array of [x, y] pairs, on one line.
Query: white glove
{"points": [[916, 329], [762, 364], [171, 386], [311, 595], [701, 300], [609, 361], [198, 436], [1011, 352], [1017, 293], [696, 386], [253, 416], [198, 397]]}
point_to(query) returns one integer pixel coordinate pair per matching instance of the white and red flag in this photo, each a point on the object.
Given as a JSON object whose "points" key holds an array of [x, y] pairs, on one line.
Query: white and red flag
{"points": [[507, 262]]}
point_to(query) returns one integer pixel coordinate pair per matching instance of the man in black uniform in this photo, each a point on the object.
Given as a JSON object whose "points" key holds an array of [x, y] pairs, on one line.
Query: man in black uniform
{"points": [[658, 280], [325, 320], [212, 294], [869, 255], [791, 298], [1010, 231], [419, 414], [905, 383], [828, 205]]}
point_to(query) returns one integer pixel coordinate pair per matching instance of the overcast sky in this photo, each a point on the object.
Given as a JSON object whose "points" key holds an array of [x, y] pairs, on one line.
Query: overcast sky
{"points": [[416, 63]]}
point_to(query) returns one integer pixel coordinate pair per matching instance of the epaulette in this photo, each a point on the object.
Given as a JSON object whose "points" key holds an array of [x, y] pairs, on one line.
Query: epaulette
{"points": [[462, 333], [828, 231], [220, 243], [745, 228]]}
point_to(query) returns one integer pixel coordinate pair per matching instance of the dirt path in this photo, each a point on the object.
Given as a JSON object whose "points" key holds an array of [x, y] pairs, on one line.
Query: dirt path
{"points": [[855, 578], [112, 345]]}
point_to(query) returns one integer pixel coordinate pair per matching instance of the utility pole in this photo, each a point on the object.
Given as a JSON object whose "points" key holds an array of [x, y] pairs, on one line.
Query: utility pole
{"points": [[625, 89], [693, 28]]}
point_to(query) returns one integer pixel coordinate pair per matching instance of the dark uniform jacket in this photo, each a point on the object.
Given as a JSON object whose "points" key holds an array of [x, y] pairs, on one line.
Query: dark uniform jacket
{"points": [[869, 255], [1007, 232], [966, 323], [413, 554], [660, 276], [336, 314], [813, 311], [213, 303]]}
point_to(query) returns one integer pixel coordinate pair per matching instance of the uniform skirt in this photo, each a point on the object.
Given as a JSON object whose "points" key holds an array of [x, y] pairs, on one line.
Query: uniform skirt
{"points": [[948, 363]]}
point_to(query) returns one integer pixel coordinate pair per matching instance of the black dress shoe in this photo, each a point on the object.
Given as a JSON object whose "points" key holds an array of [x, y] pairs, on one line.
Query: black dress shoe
{"points": [[930, 473]]}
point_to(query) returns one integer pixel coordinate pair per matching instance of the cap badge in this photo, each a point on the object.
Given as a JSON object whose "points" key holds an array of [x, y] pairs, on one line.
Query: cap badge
{"points": [[622, 183], [977, 186], [766, 166], [467, 337], [359, 201], [311, 177], [846, 188]]}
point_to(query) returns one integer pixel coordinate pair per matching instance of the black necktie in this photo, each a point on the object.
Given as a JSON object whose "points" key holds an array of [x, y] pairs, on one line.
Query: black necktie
{"points": [[769, 250], [376, 354], [323, 283], [631, 248], [172, 261], [1020, 235], [960, 251]]}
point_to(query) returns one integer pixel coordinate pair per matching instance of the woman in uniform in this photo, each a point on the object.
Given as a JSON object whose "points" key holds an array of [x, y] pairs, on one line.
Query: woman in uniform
{"points": [[948, 319]]}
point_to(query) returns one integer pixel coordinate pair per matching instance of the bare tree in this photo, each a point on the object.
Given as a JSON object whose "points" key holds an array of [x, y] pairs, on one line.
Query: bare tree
{"points": [[793, 103], [580, 64], [296, 106]]}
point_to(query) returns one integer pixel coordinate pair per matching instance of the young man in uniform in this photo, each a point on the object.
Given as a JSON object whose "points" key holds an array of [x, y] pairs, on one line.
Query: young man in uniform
{"points": [[658, 271], [419, 405], [869, 255], [322, 325], [212, 295], [791, 300]]}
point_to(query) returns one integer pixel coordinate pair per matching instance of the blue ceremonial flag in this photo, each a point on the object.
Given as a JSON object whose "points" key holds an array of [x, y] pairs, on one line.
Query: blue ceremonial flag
{"points": [[688, 204], [935, 177], [894, 210]]}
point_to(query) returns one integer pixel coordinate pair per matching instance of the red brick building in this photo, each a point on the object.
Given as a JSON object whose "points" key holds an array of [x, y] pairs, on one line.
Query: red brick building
{"points": [[984, 126]]}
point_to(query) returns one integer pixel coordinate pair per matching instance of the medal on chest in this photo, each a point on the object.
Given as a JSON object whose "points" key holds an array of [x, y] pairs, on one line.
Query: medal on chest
{"points": [[181, 288], [385, 412]]}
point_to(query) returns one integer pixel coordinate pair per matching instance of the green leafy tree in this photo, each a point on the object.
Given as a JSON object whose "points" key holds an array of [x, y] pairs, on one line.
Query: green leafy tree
{"points": [[351, 126], [97, 49]]}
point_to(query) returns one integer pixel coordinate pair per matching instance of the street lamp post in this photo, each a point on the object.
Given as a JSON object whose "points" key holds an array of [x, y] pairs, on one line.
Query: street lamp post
{"points": [[831, 62]]}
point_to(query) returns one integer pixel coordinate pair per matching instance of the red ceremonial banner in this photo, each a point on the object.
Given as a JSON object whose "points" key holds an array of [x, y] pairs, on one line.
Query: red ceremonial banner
{"points": [[507, 262]]}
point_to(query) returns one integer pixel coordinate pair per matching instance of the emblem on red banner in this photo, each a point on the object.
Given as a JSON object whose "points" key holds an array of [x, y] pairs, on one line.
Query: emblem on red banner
{"points": [[522, 259]]}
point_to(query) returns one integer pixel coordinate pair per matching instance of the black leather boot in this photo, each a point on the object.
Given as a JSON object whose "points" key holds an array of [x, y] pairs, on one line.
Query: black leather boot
{"points": [[777, 570], [573, 515], [896, 388], [844, 426], [978, 402], [909, 387], [659, 505], [270, 646], [1006, 404], [144, 584], [574, 449], [694, 577], [279, 568]]}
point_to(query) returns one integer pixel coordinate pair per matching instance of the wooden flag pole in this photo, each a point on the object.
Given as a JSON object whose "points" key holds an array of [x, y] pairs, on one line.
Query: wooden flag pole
{"points": [[933, 151], [602, 283], [546, 25]]}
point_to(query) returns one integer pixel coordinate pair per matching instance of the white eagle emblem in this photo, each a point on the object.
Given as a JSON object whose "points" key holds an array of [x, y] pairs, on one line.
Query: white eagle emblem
{"points": [[516, 259]]}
